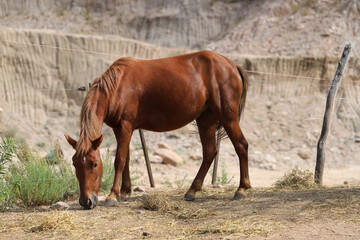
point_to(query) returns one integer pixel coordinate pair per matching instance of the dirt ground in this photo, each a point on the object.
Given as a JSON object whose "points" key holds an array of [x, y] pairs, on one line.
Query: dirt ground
{"points": [[330, 213]]}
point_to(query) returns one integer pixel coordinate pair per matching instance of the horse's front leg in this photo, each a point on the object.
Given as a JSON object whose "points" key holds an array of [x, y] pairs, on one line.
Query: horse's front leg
{"points": [[123, 136], [125, 189]]}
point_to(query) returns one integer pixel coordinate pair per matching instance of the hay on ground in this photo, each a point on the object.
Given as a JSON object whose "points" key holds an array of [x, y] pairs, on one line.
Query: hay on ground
{"points": [[245, 226], [180, 209], [296, 179], [47, 222], [56, 220]]}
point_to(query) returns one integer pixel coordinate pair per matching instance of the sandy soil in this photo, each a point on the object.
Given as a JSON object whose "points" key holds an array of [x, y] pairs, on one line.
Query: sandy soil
{"points": [[331, 213]]}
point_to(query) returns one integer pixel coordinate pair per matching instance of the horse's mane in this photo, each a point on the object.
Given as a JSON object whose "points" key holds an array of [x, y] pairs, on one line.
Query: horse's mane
{"points": [[90, 126]]}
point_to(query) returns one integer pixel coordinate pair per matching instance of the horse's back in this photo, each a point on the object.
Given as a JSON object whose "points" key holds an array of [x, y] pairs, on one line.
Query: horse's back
{"points": [[165, 94]]}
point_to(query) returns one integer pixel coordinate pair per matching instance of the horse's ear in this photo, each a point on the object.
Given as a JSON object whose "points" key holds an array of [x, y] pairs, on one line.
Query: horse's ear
{"points": [[71, 141], [96, 142]]}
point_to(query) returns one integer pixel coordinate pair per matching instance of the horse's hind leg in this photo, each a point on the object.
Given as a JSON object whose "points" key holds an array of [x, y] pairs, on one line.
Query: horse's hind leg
{"points": [[207, 127], [237, 138]]}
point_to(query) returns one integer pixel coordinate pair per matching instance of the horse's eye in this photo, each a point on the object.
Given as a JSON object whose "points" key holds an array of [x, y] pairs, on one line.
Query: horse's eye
{"points": [[95, 165]]}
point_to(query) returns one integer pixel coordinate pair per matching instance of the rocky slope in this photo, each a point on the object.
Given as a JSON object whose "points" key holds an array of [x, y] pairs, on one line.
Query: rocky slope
{"points": [[281, 27], [39, 84]]}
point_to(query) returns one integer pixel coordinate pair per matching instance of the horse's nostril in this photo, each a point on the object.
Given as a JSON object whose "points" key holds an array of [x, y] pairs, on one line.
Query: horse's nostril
{"points": [[95, 201], [89, 202]]}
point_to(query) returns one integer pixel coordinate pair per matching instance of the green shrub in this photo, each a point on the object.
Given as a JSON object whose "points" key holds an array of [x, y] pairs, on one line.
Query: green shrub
{"points": [[24, 153], [224, 179], [36, 182], [6, 196], [55, 155], [7, 152], [109, 172]]}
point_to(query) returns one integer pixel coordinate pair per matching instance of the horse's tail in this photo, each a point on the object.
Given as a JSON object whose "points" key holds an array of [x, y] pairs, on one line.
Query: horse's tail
{"points": [[245, 80]]}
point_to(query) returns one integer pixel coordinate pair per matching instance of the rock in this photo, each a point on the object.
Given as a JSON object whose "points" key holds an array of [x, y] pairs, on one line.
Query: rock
{"points": [[60, 206], [140, 212], [357, 138], [303, 155], [267, 166], [173, 136], [139, 189], [270, 158], [165, 145], [195, 157], [169, 157], [188, 145], [155, 159], [1, 110], [269, 105]]}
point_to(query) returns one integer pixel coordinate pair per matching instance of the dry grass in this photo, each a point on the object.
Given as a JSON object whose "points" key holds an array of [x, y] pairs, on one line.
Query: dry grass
{"points": [[296, 179], [336, 203], [57, 221], [180, 209], [53, 221], [213, 215], [247, 227]]}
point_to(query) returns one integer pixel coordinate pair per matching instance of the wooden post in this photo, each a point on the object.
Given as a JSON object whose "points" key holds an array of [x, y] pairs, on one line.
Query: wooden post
{"points": [[320, 157], [214, 174], [147, 160]]}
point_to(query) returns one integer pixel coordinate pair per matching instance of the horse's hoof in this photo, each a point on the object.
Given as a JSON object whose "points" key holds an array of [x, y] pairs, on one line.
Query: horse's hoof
{"points": [[122, 198], [189, 197], [239, 195], [109, 202]]}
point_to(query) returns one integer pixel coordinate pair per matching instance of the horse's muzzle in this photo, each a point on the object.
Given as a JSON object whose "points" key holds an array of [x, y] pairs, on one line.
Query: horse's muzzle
{"points": [[89, 203]]}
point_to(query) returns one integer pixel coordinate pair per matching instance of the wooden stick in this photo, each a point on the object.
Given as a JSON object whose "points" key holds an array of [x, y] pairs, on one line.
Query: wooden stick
{"points": [[147, 160], [214, 174], [320, 157]]}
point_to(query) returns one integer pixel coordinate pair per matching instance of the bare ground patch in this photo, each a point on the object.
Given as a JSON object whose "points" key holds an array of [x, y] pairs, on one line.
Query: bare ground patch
{"points": [[265, 213]]}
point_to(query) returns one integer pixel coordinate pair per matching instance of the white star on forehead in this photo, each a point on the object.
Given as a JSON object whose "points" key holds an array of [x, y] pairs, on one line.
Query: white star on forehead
{"points": [[85, 159]]}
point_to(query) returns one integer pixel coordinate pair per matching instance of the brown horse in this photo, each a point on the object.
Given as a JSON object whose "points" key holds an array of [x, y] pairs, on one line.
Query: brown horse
{"points": [[160, 95]]}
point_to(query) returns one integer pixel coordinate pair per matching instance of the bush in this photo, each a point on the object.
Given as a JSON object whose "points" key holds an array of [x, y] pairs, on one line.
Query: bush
{"points": [[224, 179], [109, 172], [7, 152], [35, 181], [55, 155], [24, 153], [6, 196]]}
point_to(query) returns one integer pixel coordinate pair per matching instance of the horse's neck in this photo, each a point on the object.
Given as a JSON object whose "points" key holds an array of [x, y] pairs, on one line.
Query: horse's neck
{"points": [[100, 107]]}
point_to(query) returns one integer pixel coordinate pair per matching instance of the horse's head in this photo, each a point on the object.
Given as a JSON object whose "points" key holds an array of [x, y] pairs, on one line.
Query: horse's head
{"points": [[89, 169]]}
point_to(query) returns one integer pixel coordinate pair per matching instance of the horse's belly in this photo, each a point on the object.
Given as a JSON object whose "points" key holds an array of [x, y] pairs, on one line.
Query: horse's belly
{"points": [[171, 114], [165, 121]]}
